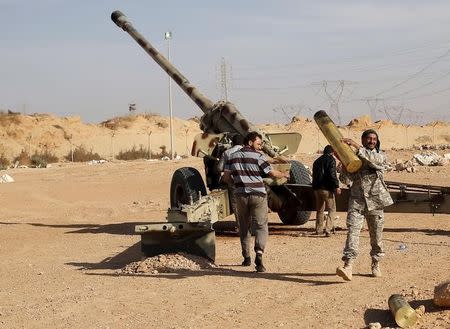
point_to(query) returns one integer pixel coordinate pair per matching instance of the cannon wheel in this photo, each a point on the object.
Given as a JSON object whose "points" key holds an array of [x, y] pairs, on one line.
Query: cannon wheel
{"points": [[185, 186], [292, 215]]}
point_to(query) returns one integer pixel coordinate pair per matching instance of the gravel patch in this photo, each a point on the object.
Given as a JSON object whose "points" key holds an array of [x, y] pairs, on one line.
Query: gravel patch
{"points": [[168, 263]]}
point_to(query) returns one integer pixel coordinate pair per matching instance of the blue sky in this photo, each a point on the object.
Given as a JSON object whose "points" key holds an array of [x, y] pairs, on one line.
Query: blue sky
{"points": [[390, 58]]}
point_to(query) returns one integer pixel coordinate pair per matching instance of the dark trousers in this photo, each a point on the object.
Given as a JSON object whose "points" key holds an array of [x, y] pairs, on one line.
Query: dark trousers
{"points": [[252, 215]]}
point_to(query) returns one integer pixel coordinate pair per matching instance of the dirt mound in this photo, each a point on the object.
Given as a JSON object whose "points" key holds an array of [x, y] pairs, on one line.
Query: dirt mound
{"points": [[363, 121], [168, 263], [384, 123], [438, 124]]}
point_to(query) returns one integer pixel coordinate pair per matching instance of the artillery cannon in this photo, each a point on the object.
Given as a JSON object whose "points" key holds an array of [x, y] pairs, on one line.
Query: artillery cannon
{"points": [[193, 211], [220, 121]]}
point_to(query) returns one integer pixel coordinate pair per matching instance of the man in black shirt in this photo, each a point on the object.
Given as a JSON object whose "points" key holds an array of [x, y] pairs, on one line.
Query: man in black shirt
{"points": [[325, 185]]}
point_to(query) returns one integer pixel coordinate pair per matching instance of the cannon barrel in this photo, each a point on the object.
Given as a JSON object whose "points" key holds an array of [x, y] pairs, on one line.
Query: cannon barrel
{"points": [[201, 100], [218, 117]]}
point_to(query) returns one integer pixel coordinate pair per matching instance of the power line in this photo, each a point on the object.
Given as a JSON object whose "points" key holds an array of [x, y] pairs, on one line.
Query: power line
{"points": [[420, 87], [415, 74], [344, 60]]}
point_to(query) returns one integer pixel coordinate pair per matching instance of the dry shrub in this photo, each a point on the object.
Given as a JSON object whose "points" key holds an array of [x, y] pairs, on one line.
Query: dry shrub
{"points": [[133, 154], [41, 159], [9, 118], [38, 159], [141, 153], [148, 116], [446, 138], [4, 162], [424, 139], [161, 123], [119, 122], [23, 159], [80, 154], [163, 152]]}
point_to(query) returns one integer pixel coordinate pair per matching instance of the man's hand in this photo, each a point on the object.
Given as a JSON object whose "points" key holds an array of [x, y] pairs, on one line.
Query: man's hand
{"points": [[338, 191], [278, 174], [350, 142], [226, 177]]}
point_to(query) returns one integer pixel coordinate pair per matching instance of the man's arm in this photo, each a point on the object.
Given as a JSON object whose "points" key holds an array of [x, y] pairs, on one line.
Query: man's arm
{"points": [[226, 177], [334, 176], [278, 174], [375, 160], [222, 161]]}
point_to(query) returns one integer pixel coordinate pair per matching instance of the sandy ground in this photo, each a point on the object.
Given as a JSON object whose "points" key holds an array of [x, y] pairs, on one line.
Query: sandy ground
{"points": [[66, 231]]}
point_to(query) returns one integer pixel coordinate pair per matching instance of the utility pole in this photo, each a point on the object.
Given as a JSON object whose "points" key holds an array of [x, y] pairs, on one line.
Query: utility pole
{"points": [[149, 141], [372, 103], [224, 79], [335, 96]]}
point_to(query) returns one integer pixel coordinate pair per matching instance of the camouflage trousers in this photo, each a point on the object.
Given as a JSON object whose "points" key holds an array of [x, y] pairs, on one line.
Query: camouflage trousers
{"points": [[252, 215], [375, 223]]}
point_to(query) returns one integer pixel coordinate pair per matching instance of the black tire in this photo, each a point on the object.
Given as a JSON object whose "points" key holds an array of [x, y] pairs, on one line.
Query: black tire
{"points": [[293, 215], [185, 186]]}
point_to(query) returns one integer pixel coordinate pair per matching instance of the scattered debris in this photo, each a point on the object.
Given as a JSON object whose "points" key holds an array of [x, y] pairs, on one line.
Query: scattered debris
{"points": [[5, 178], [432, 147], [374, 325], [402, 246], [168, 263], [420, 310], [94, 162], [409, 166], [442, 294], [421, 159], [428, 159]]}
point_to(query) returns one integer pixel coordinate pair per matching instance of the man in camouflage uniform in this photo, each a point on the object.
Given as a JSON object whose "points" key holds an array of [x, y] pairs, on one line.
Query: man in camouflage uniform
{"points": [[368, 197]]}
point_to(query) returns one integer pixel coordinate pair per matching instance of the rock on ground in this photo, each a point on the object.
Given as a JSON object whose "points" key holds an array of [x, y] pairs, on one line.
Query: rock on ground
{"points": [[442, 294]]}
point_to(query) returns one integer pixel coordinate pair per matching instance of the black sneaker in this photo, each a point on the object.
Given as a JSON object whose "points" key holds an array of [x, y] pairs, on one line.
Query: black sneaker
{"points": [[259, 263], [247, 261]]}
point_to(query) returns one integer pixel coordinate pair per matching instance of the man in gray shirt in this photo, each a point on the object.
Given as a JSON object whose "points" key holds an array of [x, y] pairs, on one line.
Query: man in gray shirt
{"points": [[246, 168]]}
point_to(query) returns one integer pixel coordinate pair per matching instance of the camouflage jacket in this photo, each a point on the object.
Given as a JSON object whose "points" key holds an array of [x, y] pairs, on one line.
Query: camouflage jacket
{"points": [[368, 190]]}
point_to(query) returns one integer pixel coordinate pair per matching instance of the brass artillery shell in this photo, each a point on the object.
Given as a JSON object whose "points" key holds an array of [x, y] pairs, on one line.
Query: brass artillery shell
{"points": [[348, 158], [405, 316]]}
